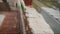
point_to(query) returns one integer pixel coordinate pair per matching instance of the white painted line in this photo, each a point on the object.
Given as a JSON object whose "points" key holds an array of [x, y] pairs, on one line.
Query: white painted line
{"points": [[1, 18]]}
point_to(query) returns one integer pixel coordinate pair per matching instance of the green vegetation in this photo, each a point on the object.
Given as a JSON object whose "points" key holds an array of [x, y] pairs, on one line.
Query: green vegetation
{"points": [[35, 6], [49, 3]]}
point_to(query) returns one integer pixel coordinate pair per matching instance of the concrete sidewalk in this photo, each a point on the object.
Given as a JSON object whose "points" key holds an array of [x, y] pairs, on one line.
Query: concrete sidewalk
{"points": [[37, 22]]}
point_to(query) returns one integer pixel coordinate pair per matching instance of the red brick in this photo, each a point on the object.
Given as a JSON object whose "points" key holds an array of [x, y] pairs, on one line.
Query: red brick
{"points": [[9, 23]]}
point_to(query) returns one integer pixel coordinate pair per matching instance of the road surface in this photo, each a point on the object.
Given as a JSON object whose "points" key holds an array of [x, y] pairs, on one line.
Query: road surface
{"points": [[50, 20], [54, 25]]}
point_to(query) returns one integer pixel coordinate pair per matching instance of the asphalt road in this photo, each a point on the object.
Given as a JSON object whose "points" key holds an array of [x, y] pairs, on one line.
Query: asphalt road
{"points": [[54, 25]]}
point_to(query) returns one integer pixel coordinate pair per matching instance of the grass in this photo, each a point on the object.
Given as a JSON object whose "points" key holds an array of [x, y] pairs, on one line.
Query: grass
{"points": [[48, 3], [35, 6]]}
